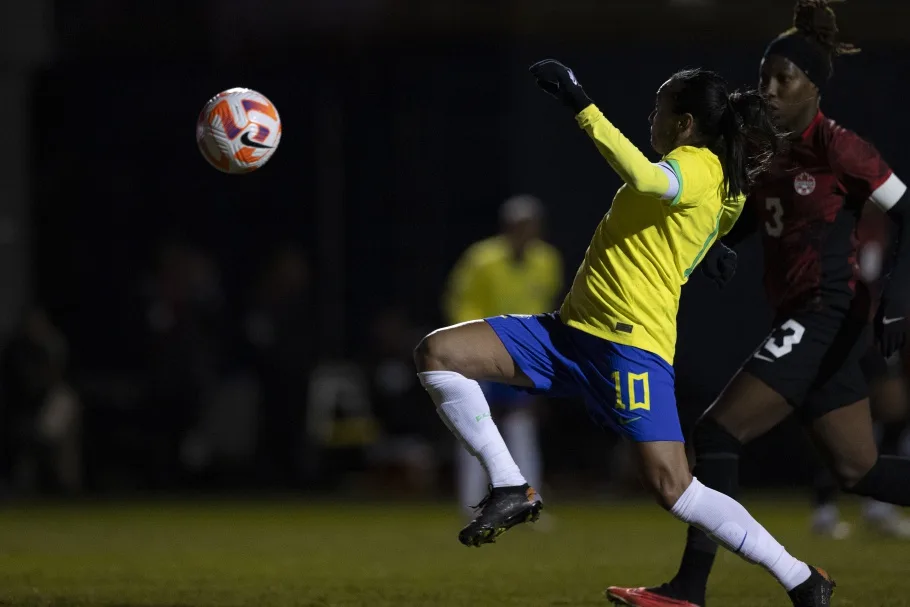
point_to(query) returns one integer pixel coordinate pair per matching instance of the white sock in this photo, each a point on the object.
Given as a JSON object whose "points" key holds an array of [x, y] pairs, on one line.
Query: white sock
{"points": [[826, 515], [471, 480], [463, 407], [731, 526], [519, 428], [875, 511]]}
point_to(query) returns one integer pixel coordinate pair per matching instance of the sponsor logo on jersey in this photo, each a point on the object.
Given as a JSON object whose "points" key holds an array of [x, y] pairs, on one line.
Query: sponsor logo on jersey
{"points": [[624, 327], [804, 184]]}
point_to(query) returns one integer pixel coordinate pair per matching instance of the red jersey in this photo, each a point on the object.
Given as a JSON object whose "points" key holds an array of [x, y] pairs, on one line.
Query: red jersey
{"points": [[808, 207]]}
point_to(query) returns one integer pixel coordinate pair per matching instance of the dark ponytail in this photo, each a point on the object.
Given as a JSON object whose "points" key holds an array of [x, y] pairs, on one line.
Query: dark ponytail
{"points": [[750, 141], [736, 126]]}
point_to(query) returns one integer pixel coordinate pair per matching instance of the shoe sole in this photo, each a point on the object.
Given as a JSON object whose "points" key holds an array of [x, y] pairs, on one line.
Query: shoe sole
{"points": [[489, 535], [617, 600]]}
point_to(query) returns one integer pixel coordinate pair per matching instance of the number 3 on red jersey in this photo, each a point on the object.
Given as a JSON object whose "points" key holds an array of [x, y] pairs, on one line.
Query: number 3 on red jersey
{"points": [[775, 226]]}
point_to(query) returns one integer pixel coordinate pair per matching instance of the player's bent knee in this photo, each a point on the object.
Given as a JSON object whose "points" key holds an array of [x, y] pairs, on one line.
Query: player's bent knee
{"points": [[442, 350], [859, 477], [430, 354]]}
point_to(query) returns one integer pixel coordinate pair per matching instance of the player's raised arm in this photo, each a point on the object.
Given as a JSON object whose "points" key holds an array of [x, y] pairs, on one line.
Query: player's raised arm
{"points": [[694, 112], [658, 180]]}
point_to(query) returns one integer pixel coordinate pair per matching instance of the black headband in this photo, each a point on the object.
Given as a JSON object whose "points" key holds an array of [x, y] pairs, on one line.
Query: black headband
{"points": [[805, 54]]}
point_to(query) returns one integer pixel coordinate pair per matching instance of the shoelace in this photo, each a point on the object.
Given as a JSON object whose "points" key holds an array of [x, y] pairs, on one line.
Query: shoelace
{"points": [[485, 500]]}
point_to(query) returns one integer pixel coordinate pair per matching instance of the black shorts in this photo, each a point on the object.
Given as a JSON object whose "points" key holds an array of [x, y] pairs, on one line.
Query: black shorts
{"points": [[875, 366], [812, 359]]}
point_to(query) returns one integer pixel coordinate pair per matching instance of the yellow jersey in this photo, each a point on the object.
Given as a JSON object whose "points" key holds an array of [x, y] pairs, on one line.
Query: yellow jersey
{"points": [[488, 281], [627, 289]]}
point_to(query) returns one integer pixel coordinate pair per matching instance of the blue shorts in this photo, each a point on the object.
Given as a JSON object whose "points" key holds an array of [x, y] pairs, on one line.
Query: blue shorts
{"points": [[625, 388], [504, 396]]}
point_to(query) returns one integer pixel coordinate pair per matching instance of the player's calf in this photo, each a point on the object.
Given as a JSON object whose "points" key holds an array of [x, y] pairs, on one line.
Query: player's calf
{"points": [[856, 462], [664, 471], [885, 481]]}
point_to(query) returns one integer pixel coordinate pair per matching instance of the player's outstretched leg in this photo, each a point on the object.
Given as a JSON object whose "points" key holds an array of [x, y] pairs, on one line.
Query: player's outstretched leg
{"points": [[846, 440], [883, 517], [747, 408], [449, 362], [666, 473]]}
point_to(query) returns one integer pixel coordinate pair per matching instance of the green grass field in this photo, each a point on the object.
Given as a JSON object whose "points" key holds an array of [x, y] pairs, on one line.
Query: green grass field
{"points": [[280, 554]]}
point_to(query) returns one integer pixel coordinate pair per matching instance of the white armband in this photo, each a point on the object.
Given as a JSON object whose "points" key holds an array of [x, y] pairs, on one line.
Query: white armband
{"points": [[887, 194], [673, 188]]}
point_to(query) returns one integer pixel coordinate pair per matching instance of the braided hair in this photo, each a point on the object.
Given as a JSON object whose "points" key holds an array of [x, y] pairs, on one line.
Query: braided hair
{"points": [[816, 20], [813, 42]]}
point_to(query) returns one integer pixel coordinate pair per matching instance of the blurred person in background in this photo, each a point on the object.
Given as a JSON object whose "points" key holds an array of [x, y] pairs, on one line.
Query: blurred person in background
{"points": [[40, 414], [514, 272], [184, 329], [280, 329], [887, 394]]}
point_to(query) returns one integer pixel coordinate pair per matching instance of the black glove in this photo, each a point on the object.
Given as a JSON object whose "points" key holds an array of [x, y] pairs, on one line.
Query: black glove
{"points": [[559, 81], [719, 263], [891, 324]]}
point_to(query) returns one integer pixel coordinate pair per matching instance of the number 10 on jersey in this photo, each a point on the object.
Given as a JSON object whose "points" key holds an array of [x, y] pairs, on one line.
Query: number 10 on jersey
{"points": [[637, 394]]}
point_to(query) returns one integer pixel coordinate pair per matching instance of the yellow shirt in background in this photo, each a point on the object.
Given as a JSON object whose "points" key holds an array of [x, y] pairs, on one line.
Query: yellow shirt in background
{"points": [[489, 281]]}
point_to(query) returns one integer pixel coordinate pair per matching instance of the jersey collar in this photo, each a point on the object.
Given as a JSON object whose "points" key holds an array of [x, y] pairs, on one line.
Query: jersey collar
{"points": [[812, 126]]}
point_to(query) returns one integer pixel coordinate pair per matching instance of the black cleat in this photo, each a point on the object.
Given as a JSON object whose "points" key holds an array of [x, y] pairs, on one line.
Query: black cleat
{"points": [[502, 509], [814, 592]]}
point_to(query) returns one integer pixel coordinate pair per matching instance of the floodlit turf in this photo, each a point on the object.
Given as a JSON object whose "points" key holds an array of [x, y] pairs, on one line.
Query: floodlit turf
{"points": [[276, 555]]}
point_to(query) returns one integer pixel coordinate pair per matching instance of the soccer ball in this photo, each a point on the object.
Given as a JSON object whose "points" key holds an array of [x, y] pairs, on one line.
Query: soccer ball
{"points": [[238, 130]]}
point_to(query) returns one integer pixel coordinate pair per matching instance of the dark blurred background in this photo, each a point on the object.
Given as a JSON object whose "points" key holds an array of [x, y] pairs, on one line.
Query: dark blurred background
{"points": [[171, 328]]}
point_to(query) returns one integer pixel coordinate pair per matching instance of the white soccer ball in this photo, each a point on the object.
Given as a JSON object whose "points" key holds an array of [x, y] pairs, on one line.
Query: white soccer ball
{"points": [[238, 130]]}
